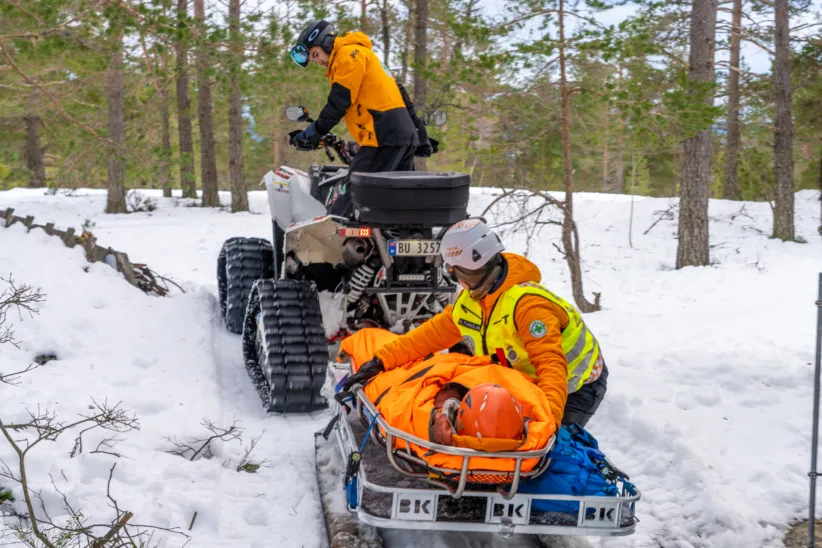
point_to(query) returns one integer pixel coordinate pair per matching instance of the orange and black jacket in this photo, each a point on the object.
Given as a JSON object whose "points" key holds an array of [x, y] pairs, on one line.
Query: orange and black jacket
{"points": [[545, 353], [365, 95]]}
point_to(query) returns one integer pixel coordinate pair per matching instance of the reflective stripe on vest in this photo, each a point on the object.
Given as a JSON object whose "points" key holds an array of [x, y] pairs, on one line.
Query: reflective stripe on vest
{"points": [[500, 331]]}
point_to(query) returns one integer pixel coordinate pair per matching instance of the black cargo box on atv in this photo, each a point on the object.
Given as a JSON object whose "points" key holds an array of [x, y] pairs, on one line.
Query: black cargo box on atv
{"points": [[410, 197]]}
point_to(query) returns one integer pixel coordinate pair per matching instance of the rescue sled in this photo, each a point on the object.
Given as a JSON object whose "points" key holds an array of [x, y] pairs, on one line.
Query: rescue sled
{"points": [[390, 487]]}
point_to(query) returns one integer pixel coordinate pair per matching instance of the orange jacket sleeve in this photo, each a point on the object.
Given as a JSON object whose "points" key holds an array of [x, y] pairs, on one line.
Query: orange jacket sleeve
{"points": [[436, 334], [545, 350]]}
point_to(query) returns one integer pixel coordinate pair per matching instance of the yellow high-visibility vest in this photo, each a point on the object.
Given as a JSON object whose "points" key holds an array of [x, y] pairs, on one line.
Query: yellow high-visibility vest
{"points": [[485, 335]]}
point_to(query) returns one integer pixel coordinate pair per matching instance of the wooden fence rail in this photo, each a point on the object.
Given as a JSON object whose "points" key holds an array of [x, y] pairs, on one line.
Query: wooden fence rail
{"points": [[138, 275]]}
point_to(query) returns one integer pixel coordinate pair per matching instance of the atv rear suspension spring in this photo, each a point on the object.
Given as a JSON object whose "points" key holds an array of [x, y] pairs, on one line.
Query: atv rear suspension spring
{"points": [[443, 298], [359, 281]]}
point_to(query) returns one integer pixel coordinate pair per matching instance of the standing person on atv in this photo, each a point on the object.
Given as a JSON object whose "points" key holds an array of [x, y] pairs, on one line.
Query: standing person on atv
{"points": [[365, 95], [504, 312]]}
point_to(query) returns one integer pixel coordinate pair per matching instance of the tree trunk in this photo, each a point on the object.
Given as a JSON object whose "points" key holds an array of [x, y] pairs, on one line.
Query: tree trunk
{"points": [[187, 180], [820, 191], [783, 223], [405, 42], [730, 186], [208, 149], [570, 236], [236, 170], [386, 32], [605, 152], [619, 165], [363, 14], [420, 62], [165, 167], [34, 151], [116, 199], [695, 177], [278, 141]]}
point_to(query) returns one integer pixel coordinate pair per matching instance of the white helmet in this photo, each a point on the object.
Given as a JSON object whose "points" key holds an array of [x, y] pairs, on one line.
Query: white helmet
{"points": [[469, 245]]}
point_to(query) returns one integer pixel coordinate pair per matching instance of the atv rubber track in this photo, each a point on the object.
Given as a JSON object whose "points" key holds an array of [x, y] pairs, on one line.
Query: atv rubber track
{"points": [[242, 261], [284, 345]]}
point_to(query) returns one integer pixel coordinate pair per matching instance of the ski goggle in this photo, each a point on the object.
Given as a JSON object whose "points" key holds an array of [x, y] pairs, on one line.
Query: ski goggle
{"points": [[299, 54], [471, 278]]}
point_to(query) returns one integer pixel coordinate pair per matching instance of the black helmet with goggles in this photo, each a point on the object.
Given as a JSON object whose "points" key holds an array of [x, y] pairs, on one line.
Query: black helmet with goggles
{"points": [[317, 33]]}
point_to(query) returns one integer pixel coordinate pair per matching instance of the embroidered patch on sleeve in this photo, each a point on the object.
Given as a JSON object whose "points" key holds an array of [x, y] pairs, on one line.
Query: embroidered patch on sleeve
{"points": [[537, 329]]}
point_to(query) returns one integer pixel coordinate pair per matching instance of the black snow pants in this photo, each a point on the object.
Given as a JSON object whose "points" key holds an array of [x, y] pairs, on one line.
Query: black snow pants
{"points": [[369, 160], [582, 404]]}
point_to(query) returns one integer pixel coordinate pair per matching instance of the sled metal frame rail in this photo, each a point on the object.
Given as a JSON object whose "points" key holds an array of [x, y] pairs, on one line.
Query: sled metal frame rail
{"points": [[398, 457], [506, 513]]}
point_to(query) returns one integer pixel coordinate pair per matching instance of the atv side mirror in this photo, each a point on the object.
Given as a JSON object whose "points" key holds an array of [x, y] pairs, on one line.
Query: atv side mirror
{"points": [[296, 113], [436, 118]]}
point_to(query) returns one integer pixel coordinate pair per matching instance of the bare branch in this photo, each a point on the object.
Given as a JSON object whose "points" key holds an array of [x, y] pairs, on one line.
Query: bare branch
{"points": [[23, 480], [75, 529], [247, 464], [545, 12], [666, 215], [13, 378], [27, 12], [108, 443], [202, 447], [22, 298]]}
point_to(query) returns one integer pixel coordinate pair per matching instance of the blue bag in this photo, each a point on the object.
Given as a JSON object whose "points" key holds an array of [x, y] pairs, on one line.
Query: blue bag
{"points": [[577, 468]]}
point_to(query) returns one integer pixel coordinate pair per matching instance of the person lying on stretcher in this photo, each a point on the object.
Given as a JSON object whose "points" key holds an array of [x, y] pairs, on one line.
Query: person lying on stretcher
{"points": [[456, 400], [468, 402]]}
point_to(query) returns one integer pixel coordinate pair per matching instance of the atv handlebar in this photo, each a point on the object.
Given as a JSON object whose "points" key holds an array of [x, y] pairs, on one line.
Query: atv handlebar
{"points": [[334, 145]]}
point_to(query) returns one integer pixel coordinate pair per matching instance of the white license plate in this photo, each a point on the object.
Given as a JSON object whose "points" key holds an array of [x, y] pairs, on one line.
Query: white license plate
{"points": [[405, 248]]}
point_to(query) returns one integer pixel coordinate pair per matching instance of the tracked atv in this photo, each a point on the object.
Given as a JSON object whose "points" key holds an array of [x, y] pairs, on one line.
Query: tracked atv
{"points": [[383, 264]]}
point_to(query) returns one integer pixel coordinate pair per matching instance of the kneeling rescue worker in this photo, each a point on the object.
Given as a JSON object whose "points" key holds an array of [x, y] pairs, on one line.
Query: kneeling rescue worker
{"points": [[366, 96], [506, 313]]}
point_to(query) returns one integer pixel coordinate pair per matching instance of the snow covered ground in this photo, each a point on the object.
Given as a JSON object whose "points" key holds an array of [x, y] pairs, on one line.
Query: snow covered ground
{"points": [[708, 407]]}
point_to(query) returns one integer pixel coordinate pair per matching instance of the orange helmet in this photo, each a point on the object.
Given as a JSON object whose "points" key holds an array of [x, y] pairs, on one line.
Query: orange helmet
{"points": [[490, 411]]}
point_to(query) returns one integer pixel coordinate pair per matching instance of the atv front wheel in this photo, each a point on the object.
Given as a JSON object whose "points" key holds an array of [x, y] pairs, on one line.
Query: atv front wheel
{"points": [[242, 261], [284, 345]]}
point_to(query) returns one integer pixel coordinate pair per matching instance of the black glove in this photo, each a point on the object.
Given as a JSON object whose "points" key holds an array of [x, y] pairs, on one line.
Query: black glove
{"points": [[307, 139], [427, 148], [424, 149], [299, 145], [366, 371]]}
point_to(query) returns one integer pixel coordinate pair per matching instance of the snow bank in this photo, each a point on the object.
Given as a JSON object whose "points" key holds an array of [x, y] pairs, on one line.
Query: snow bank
{"points": [[170, 362]]}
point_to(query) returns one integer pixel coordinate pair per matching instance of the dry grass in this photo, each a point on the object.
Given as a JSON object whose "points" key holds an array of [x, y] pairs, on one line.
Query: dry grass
{"points": [[797, 536]]}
